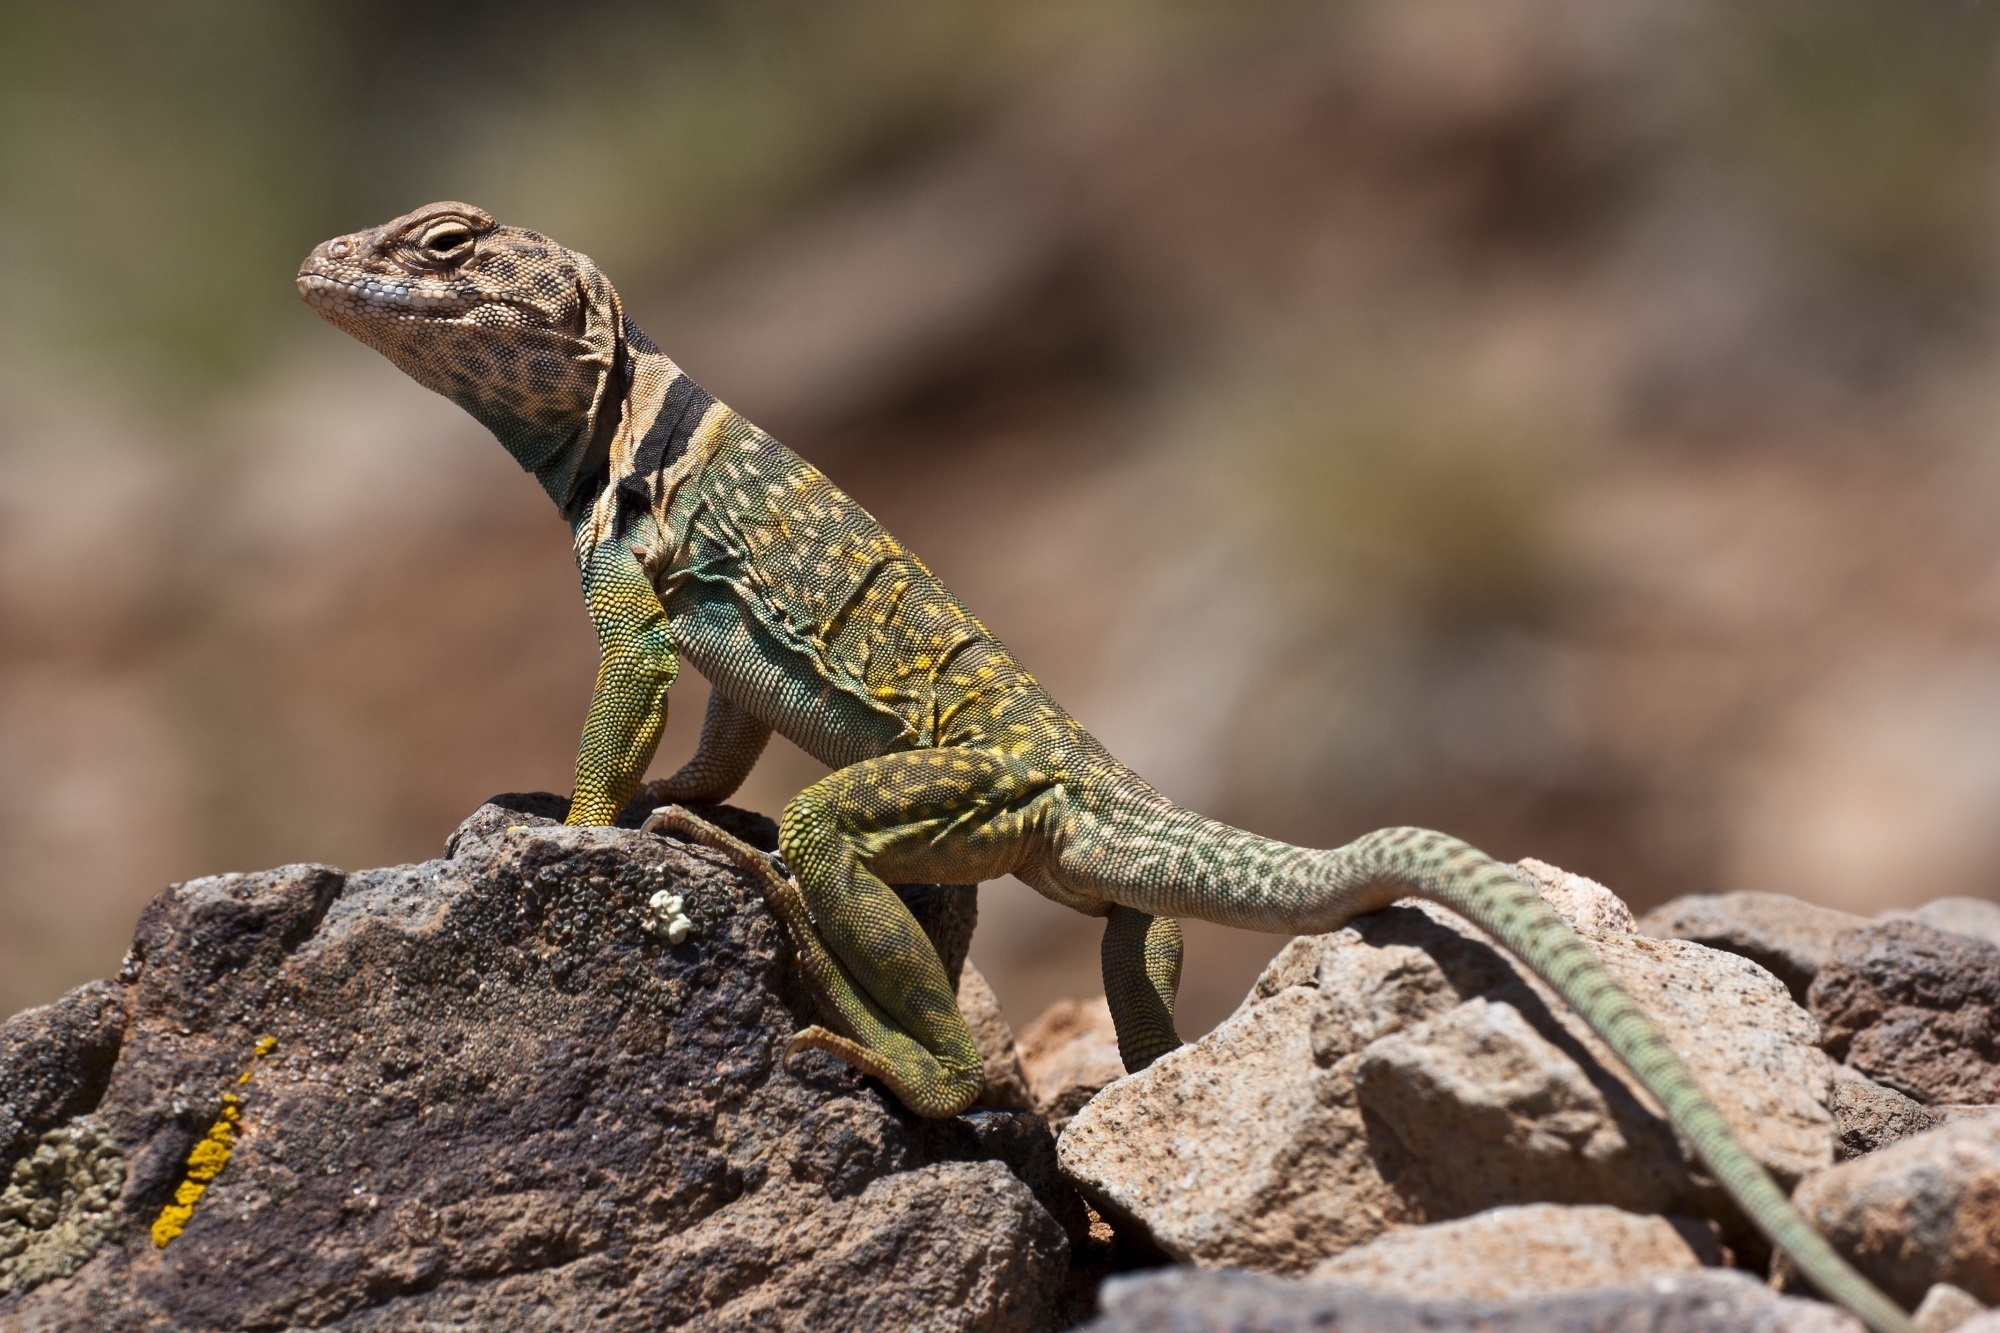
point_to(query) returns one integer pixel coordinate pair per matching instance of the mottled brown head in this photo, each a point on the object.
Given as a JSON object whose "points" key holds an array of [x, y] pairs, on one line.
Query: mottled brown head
{"points": [[522, 333]]}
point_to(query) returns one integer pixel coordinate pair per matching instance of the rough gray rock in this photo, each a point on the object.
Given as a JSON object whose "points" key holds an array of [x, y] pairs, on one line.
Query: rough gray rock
{"points": [[1915, 1008], [55, 1061], [1529, 1250], [1868, 1116], [1193, 1301], [494, 1100], [1919, 1212], [1789, 938], [1403, 1071]]}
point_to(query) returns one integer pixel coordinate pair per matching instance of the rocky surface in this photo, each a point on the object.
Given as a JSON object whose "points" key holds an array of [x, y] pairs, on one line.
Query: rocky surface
{"points": [[1945, 1308], [1868, 1116], [480, 1092], [1069, 1054], [1915, 1008], [1403, 1070], [1006, 1083], [1923, 1211], [1192, 1301], [1789, 938], [1961, 916], [476, 1093], [1524, 1251]]}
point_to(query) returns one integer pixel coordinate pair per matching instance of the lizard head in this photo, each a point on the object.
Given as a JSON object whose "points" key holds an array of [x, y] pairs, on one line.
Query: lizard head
{"points": [[525, 335]]}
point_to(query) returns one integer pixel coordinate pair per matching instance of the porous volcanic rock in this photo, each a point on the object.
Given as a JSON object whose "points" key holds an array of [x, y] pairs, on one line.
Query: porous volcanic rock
{"points": [[1922, 1211], [477, 1093], [1195, 1301], [1790, 938], [1403, 1070], [1915, 1008], [1529, 1250]]}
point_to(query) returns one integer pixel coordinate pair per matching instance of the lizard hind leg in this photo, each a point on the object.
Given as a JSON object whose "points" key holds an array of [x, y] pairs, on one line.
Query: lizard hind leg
{"points": [[1142, 974], [872, 1041], [949, 815]]}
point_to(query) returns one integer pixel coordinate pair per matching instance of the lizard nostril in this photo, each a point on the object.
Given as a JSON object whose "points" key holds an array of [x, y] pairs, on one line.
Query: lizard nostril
{"points": [[338, 249]]}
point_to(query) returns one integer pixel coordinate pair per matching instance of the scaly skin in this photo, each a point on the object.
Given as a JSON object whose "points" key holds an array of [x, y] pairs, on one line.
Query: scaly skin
{"points": [[697, 533]]}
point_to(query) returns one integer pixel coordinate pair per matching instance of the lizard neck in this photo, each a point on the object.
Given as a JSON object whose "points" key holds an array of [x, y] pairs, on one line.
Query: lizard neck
{"points": [[665, 428], [575, 456]]}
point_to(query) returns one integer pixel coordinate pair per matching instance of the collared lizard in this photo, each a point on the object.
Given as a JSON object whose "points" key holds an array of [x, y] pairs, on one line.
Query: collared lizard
{"points": [[697, 533]]}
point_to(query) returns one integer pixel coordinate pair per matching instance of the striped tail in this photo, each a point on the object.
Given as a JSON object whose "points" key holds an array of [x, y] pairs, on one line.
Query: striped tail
{"points": [[1273, 886]]}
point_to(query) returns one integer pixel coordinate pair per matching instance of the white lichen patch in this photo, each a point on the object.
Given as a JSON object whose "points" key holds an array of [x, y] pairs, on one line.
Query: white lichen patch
{"points": [[663, 917], [57, 1207]]}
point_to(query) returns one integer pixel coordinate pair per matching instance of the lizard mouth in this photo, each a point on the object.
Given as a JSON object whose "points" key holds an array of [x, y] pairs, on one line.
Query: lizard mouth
{"points": [[377, 298]]}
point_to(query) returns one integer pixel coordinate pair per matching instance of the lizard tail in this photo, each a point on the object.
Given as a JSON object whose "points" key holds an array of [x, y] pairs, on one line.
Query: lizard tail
{"points": [[1274, 886]]}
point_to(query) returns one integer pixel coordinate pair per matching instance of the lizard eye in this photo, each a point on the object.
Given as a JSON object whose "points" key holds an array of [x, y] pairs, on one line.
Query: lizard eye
{"points": [[446, 240]]}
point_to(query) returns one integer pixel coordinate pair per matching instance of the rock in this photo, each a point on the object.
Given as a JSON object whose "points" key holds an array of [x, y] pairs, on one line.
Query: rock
{"points": [[1789, 938], [1523, 1251], [1006, 1083], [1194, 1301], [1402, 1071], [1944, 1308], [1582, 902], [1915, 1008], [1960, 916], [1919, 1212], [491, 1099], [55, 1061], [1868, 1116], [1069, 1053]]}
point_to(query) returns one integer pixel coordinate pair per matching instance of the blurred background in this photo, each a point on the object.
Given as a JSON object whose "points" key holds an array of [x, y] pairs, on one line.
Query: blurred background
{"points": [[1571, 423]]}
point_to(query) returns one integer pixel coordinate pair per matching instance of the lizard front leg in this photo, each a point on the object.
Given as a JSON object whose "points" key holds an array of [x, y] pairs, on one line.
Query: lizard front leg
{"points": [[731, 741], [636, 667]]}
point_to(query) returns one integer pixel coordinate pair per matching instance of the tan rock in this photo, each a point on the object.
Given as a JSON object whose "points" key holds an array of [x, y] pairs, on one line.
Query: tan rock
{"points": [[1006, 1083], [1582, 902], [1708, 1301], [1961, 916], [1481, 1078], [1067, 1054], [1524, 1251], [1919, 1212], [1241, 1150], [1944, 1309], [1789, 937], [1480, 1089]]}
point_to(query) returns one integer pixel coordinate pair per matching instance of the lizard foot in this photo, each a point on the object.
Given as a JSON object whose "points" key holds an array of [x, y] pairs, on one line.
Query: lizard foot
{"points": [[873, 1043], [922, 1084]]}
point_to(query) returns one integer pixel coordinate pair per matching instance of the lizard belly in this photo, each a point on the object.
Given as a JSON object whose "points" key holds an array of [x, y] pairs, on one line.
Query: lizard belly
{"points": [[770, 674]]}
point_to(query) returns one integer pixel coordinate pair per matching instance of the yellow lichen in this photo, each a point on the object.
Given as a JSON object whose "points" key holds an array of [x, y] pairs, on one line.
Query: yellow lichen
{"points": [[208, 1156]]}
